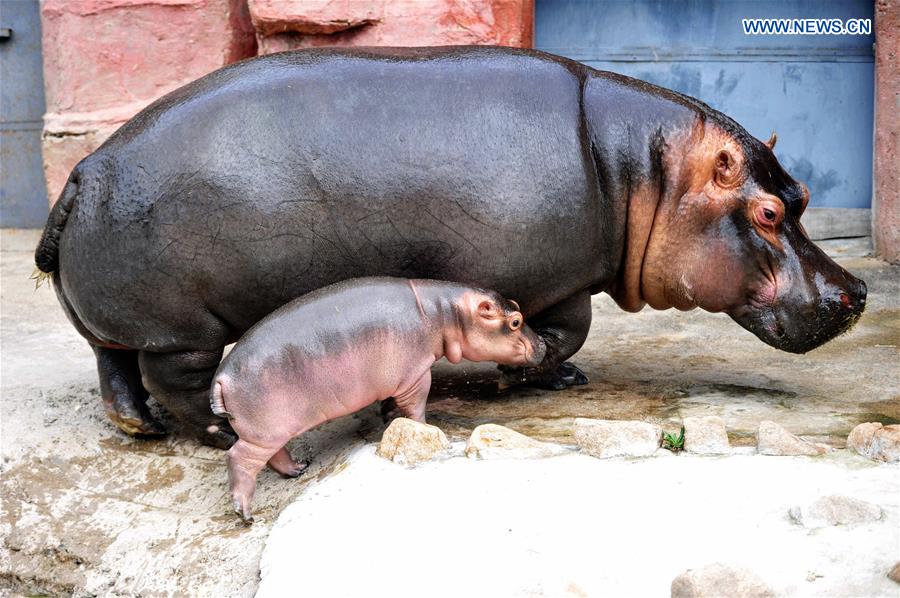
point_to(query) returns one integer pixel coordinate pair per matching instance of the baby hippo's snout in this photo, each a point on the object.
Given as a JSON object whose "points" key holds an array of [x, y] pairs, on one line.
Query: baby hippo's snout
{"points": [[534, 347]]}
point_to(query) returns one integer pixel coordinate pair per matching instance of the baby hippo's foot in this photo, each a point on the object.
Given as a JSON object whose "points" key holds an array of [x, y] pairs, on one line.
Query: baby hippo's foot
{"points": [[284, 464], [566, 374], [242, 497], [245, 461]]}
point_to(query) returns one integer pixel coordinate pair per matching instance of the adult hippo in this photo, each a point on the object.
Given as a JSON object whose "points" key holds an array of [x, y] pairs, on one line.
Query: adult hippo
{"points": [[507, 169]]}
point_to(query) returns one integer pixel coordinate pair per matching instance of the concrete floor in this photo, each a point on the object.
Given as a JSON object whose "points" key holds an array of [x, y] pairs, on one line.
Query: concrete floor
{"points": [[88, 510], [575, 526]]}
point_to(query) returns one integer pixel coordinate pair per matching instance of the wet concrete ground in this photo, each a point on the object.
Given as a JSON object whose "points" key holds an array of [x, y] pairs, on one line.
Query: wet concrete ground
{"points": [[88, 510]]}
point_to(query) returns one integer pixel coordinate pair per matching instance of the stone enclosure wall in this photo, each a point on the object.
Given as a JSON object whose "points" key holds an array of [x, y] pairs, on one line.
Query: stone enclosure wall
{"points": [[104, 60]]}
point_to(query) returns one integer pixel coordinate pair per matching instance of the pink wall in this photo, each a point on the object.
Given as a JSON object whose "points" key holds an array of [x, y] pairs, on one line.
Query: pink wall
{"points": [[286, 25], [104, 60]]}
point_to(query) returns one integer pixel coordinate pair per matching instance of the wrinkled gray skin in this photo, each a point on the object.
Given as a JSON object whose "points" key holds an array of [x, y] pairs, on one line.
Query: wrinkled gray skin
{"points": [[341, 348], [507, 169]]}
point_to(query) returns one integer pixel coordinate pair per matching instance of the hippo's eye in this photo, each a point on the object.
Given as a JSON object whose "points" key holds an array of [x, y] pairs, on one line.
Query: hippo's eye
{"points": [[767, 215], [515, 322]]}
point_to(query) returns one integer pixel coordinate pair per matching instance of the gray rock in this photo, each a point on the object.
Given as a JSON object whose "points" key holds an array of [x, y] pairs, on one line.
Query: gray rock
{"points": [[772, 439], [835, 510], [408, 442], [491, 441], [706, 435], [876, 441], [611, 438], [719, 580]]}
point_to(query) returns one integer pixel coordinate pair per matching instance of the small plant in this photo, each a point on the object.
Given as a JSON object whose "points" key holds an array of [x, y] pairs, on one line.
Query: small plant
{"points": [[672, 442]]}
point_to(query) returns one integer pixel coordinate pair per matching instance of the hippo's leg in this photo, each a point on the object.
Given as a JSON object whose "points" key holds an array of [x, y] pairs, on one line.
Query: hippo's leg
{"points": [[564, 328], [181, 382], [124, 397], [245, 461], [284, 464], [411, 402]]}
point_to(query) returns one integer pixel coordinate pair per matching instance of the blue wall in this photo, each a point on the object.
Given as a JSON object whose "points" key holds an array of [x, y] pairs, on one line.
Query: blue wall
{"points": [[23, 197], [816, 91]]}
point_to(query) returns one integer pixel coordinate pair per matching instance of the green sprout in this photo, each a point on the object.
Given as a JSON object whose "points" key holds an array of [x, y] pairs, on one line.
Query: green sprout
{"points": [[672, 442]]}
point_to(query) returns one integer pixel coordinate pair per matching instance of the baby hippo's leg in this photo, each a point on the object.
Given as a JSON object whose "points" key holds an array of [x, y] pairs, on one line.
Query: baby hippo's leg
{"points": [[284, 464], [245, 460], [411, 401]]}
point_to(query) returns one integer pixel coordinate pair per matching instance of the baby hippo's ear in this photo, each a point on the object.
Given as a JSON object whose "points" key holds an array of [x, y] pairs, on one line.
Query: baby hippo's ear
{"points": [[487, 310]]}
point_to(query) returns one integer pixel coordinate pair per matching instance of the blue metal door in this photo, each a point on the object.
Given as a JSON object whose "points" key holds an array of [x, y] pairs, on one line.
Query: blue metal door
{"points": [[816, 91], [23, 195]]}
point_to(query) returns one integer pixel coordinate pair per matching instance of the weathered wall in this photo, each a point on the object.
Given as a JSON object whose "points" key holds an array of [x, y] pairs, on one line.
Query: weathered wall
{"points": [[886, 200], [288, 24], [104, 60]]}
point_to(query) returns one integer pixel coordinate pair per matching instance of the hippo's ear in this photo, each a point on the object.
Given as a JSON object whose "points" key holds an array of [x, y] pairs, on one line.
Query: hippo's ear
{"points": [[486, 310], [728, 170], [771, 142]]}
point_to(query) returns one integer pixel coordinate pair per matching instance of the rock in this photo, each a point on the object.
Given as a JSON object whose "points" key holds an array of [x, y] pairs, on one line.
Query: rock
{"points": [[408, 442], [876, 441], [609, 438], [772, 439], [894, 574], [717, 580], [490, 441], [835, 510], [705, 435]]}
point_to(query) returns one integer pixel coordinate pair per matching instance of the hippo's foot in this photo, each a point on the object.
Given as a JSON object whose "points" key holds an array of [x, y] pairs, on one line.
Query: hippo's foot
{"points": [[245, 460], [241, 506], [123, 394], [180, 381], [565, 375], [219, 435], [285, 465], [133, 417]]}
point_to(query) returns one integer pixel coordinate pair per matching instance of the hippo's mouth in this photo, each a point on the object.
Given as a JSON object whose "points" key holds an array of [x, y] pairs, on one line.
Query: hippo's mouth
{"points": [[798, 330], [534, 351]]}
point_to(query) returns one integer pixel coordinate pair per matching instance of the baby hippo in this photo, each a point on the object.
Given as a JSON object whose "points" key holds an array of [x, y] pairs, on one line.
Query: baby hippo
{"points": [[343, 347]]}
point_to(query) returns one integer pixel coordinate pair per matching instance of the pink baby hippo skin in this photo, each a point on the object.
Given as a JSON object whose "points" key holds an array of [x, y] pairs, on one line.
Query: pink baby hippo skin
{"points": [[341, 348]]}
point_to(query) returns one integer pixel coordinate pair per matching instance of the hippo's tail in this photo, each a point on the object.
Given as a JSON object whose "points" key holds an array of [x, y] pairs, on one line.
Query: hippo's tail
{"points": [[216, 402], [46, 256]]}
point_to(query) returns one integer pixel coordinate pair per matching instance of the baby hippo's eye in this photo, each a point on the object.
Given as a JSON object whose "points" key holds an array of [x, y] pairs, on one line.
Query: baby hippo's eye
{"points": [[515, 322]]}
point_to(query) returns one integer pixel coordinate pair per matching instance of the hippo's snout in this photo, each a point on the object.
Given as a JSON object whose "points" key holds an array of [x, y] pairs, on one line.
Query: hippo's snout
{"points": [[808, 313], [855, 298], [535, 350]]}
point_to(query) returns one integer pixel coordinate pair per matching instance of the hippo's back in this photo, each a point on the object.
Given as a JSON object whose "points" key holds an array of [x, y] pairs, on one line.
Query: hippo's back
{"points": [[279, 175]]}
